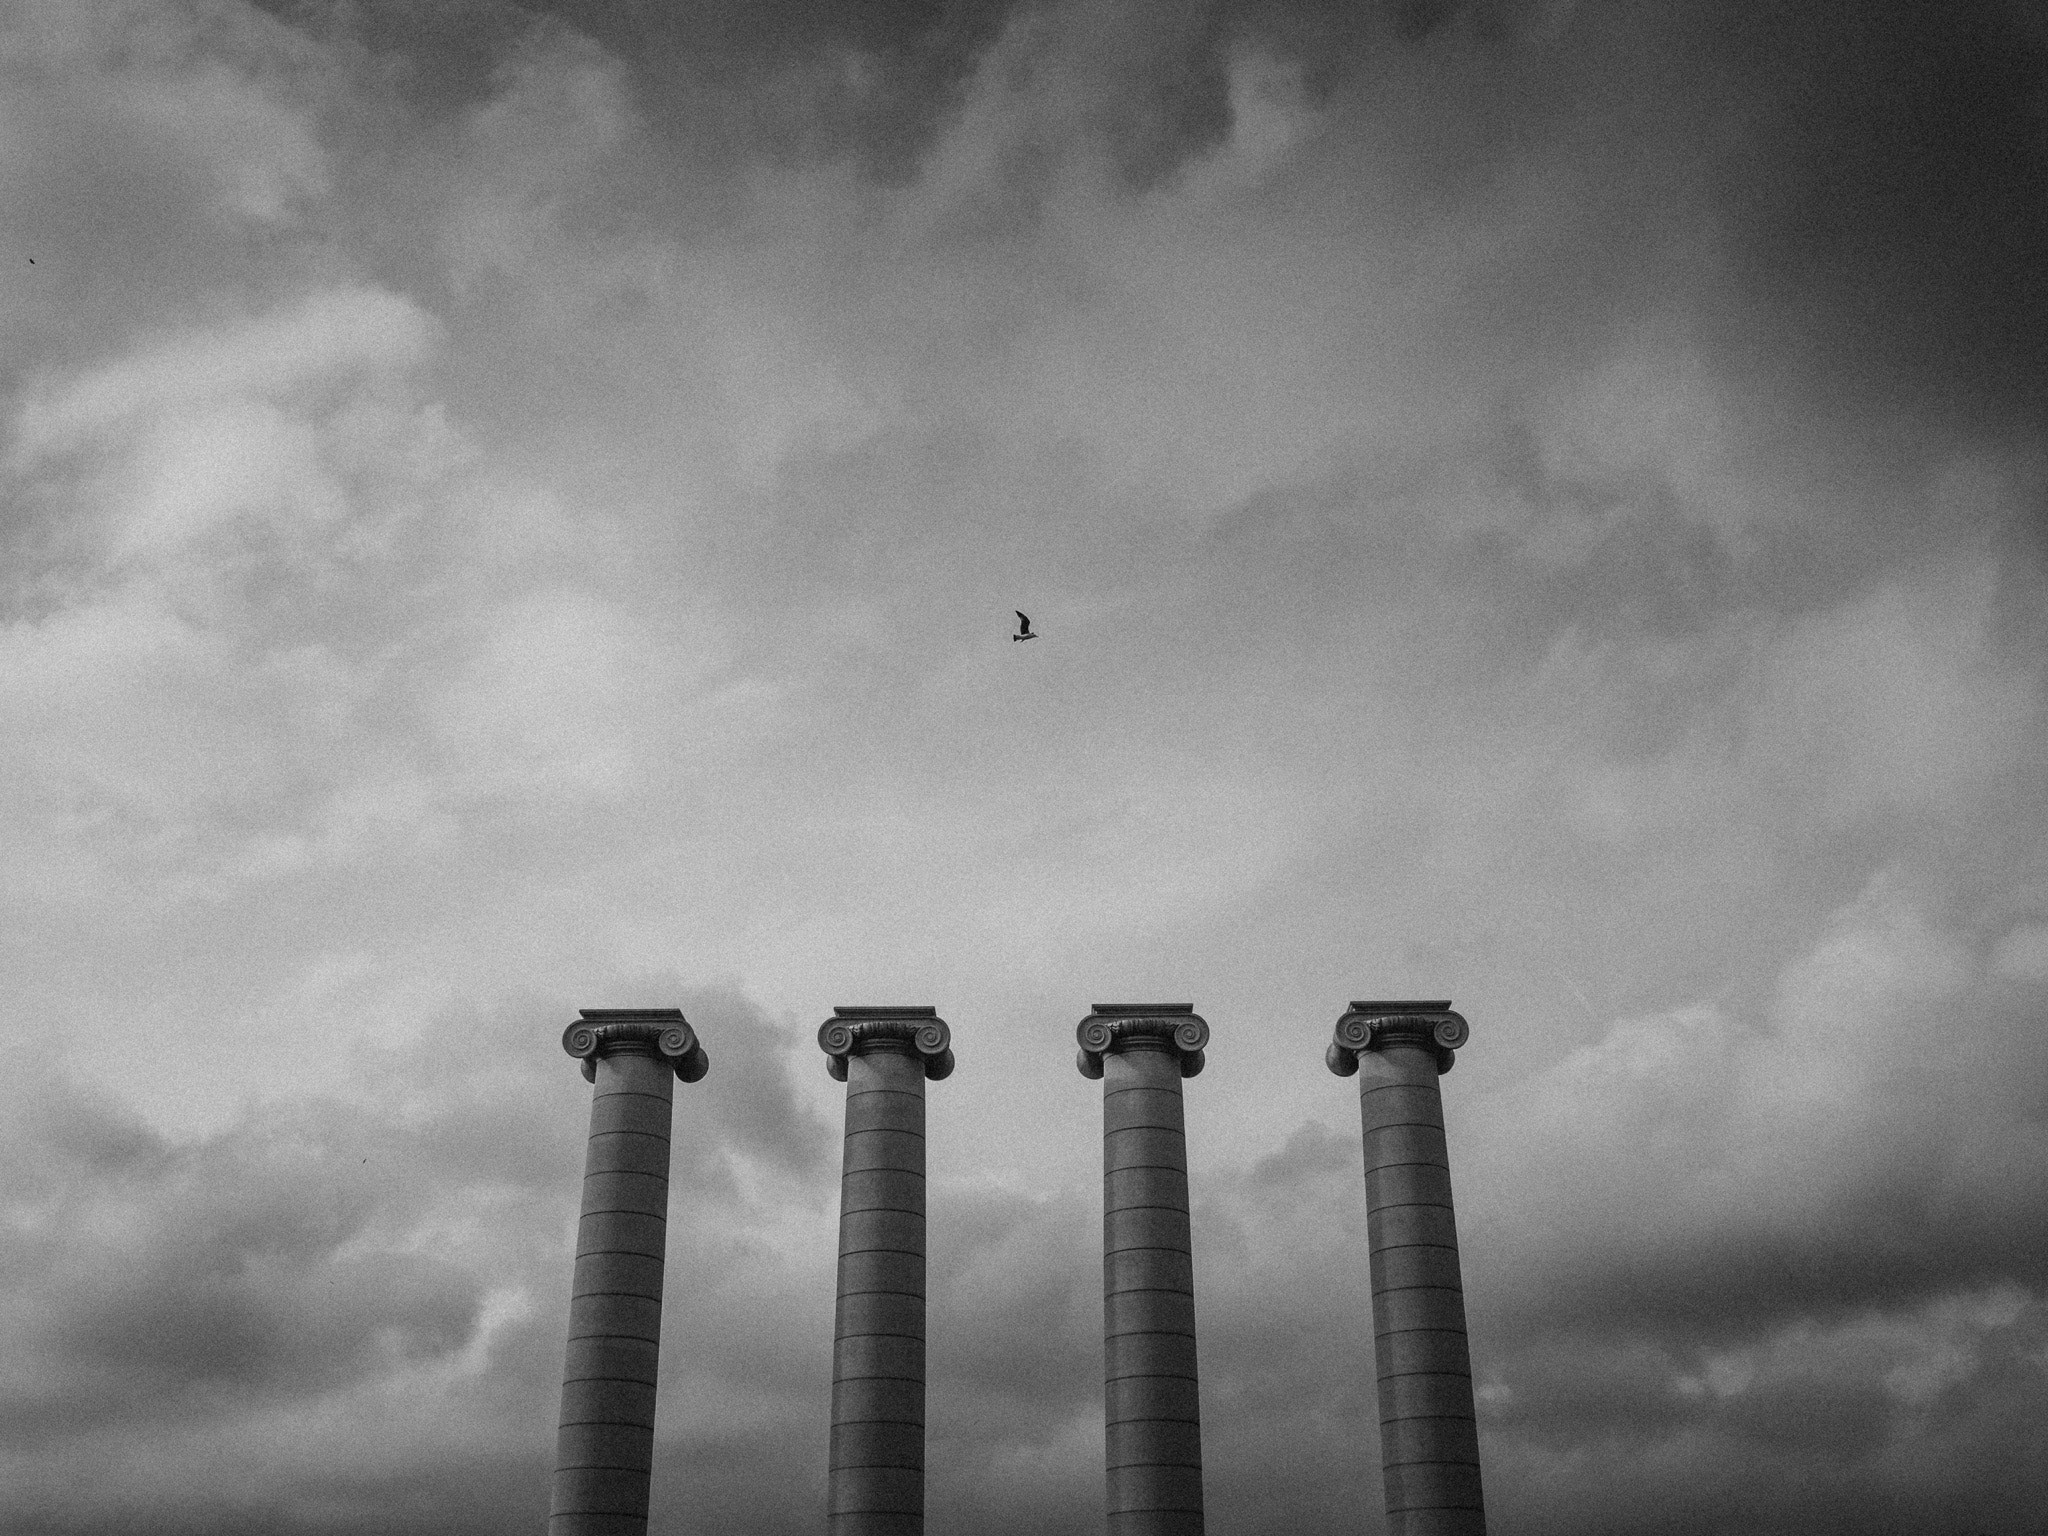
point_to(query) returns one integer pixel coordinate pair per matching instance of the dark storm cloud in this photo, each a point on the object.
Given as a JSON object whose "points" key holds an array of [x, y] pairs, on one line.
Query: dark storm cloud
{"points": [[1840, 201], [1288, 1393], [440, 53], [118, 203], [1005, 1265], [1822, 1218], [1873, 170], [1147, 84], [214, 1276], [786, 77], [808, 76], [1847, 193], [1882, 186], [1823, 1435], [407, 1247], [1809, 1241]]}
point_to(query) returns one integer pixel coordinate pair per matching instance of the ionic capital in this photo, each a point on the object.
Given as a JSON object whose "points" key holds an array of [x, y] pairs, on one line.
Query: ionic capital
{"points": [[1114, 1027], [662, 1032], [856, 1031], [1374, 1026]]}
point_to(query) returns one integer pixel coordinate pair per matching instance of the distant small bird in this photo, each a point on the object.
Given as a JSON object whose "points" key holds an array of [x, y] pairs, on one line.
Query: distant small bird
{"points": [[1023, 627]]}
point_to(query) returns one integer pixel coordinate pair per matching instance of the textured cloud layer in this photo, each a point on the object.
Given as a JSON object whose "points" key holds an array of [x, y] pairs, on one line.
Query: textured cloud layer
{"points": [[510, 508]]}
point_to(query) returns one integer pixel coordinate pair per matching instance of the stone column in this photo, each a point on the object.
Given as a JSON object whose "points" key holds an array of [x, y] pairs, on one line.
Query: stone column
{"points": [[1429, 1442], [876, 1471], [605, 1444], [1151, 1398]]}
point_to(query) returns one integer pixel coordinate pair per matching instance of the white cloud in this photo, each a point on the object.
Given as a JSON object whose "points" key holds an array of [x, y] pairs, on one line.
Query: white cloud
{"points": [[1647, 420], [555, 693], [231, 682], [329, 336]]}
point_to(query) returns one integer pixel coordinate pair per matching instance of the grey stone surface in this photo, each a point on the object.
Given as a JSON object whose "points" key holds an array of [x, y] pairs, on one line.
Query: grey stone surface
{"points": [[1152, 1427], [1429, 1446], [604, 1444], [875, 1462]]}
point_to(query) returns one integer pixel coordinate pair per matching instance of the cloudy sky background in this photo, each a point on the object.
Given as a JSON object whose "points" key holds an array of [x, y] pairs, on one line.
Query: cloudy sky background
{"points": [[510, 508]]}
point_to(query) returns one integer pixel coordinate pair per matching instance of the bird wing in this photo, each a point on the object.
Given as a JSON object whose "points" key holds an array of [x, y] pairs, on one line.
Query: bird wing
{"points": [[1021, 618]]}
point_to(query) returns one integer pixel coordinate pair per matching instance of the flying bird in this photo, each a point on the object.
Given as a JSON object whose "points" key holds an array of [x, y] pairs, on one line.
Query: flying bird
{"points": [[1023, 626]]}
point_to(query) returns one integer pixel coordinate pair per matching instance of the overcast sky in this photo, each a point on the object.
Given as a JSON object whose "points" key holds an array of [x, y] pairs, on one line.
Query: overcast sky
{"points": [[518, 507]]}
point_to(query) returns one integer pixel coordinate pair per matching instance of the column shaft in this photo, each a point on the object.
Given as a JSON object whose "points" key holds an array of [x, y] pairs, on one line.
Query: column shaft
{"points": [[1428, 1434], [605, 1443], [1152, 1411], [877, 1452]]}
